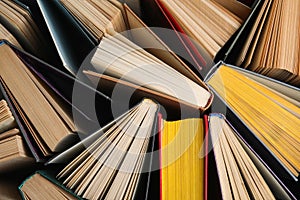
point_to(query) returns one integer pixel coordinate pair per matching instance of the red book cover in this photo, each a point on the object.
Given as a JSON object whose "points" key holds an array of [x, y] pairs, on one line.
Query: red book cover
{"points": [[206, 143], [159, 115]]}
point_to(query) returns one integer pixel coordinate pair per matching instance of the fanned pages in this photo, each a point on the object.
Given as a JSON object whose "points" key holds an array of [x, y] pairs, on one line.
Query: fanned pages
{"points": [[18, 21], [270, 111], [239, 177], [119, 58], [49, 125], [109, 168], [209, 23], [272, 45], [98, 16]]}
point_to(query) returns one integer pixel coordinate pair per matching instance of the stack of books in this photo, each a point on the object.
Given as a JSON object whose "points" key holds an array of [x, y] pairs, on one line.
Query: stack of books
{"points": [[97, 105]]}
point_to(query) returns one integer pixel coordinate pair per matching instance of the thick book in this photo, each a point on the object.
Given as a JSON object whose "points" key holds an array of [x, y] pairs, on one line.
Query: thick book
{"points": [[266, 112], [32, 100], [70, 91], [240, 172], [181, 158]]}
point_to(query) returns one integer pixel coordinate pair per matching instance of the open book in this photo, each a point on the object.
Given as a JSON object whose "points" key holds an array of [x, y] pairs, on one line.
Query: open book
{"points": [[81, 26], [240, 171], [269, 43], [16, 18], [111, 162], [202, 27], [14, 152], [127, 158], [268, 108], [46, 120], [119, 60]]}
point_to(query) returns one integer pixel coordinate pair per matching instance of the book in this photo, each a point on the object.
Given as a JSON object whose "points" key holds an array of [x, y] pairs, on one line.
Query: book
{"points": [[41, 185], [48, 123], [16, 18], [7, 120], [222, 23], [6, 35], [66, 34], [200, 33], [139, 69], [112, 162], [181, 166], [98, 17], [68, 92], [14, 152], [270, 42], [10, 181], [136, 31], [268, 108], [134, 39], [240, 171]]}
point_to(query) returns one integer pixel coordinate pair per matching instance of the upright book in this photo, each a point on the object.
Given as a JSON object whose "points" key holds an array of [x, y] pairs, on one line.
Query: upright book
{"points": [[181, 162]]}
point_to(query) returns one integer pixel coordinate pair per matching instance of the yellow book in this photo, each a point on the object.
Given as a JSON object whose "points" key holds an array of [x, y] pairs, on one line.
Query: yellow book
{"points": [[182, 170], [268, 108]]}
